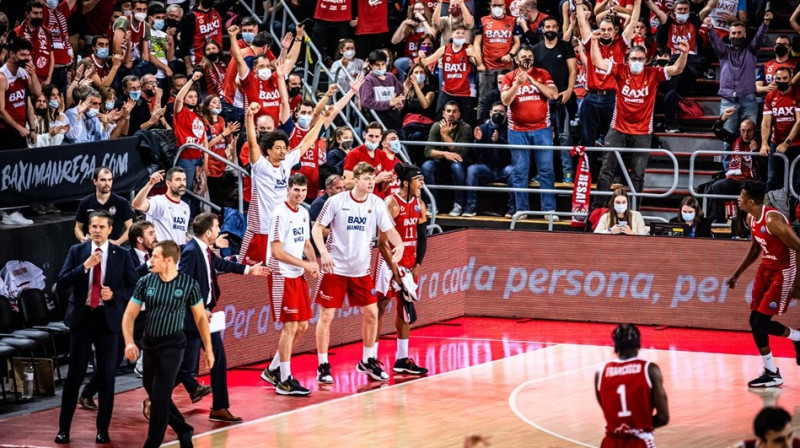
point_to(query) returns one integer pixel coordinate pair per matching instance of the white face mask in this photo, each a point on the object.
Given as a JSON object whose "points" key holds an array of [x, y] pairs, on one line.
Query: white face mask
{"points": [[264, 74], [688, 217], [349, 54], [140, 16], [620, 208], [636, 67], [459, 41], [681, 18], [420, 79], [497, 11]]}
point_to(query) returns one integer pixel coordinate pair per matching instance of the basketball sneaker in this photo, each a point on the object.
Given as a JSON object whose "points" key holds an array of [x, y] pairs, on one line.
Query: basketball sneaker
{"points": [[767, 379], [291, 387], [271, 376], [373, 369], [407, 365], [797, 351], [324, 374]]}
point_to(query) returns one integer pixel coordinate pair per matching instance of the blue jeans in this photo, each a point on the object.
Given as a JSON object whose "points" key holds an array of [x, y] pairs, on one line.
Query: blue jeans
{"points": [[746, 107], [559, 121], [482, 174], [521, 163], [402, 65], [190, 166], [596, 112], [439, 168]]}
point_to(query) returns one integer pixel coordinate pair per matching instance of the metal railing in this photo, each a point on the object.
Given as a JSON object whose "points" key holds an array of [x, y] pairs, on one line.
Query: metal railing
{"points": [[790, 175], [550, 217], [239, 172]]}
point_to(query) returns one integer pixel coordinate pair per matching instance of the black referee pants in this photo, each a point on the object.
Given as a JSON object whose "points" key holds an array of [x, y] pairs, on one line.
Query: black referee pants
{"points": [[162, 359]]}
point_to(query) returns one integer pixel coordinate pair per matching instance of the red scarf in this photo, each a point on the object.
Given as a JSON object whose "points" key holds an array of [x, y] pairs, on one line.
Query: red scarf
{"points": [[582, 188]]}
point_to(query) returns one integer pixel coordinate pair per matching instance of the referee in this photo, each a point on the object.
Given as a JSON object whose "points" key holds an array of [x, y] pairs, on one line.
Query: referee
{"points": [[166, 293]]}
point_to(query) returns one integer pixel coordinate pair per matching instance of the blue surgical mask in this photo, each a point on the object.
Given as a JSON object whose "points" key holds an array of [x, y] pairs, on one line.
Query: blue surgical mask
{"points": [[101, 53], [421, 79], [248, 38], [395, 146], [216, 111], [53, 104], [371, 146], [158, 24], [620, 208], [135, 94], [636, 67], [52, 4], [377, 72], [109, 105], [304, 121], [688, 217], [92, 112]]}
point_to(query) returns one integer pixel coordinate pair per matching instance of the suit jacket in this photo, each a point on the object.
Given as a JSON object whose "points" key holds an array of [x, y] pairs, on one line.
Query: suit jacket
{"points": [[193, 264], [141, 268], [120, 276]]}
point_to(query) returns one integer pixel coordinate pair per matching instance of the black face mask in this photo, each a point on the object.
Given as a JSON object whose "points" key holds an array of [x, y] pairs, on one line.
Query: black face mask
{"points": [[781, 50], [347, 144], [171, 23], [206, 3], [3, 28], [41, 112], [662, 62], [550, 35], [605, 41], [782, 86], [23, 62], [526, 63], [737, 41], [294, 91], [188, 106], [212, 57], [498, 118], [36, 23]]}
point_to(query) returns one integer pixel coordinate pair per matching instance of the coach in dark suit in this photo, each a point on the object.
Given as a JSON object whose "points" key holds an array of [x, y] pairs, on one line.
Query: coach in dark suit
{"points": [[102, 277], [200, 262]]}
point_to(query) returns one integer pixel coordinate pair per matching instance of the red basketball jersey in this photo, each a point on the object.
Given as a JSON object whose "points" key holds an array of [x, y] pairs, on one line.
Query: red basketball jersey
{"points": [[406, 224], [457, 69], [16, 96], [264, 92], [310, 160], [774, 254], [625, 396]]}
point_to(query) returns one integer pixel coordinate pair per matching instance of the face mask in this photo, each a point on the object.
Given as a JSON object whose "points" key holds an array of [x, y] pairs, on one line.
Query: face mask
{"points": [[620, 208], [140, 16], [550, 35], [426, 48], [349, 54], [127, 13], [682, 18], [421, 79], [53, 104], [248, 38], [636, 67], [459, 41], [526, 63], [371, 146], [171, 23], [3, 28], [394, 146], [688, 217], [782, 86], [294, 91], [135, 94], [497, 11], [23, 62], [216, 111], [498, 118], [264, 74], [91, 113], [377, 72], [781, 50], [101, 53], [605, 41], [212, 57], [737, 41], [52, 4], [304, 121], [347, 144], [42, 112], [662, 62], [36, 23], [190, 106], [158, 24], [109, 105]]}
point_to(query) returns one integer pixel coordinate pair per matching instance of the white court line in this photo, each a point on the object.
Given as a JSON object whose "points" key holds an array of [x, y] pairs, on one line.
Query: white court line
{"points": [[357, 395], [459, 338]]}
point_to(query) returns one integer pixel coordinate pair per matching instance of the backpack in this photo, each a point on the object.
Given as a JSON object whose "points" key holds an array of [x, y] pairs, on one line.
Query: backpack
{"points": [[781, 201], [688, 108]]}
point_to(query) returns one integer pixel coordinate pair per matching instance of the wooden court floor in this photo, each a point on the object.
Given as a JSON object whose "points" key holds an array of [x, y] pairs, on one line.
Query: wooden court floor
{"points": [[542, 398]]}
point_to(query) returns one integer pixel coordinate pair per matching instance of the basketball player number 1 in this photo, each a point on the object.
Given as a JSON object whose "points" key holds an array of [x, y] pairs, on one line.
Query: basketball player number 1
{"points": [[624, 412]]}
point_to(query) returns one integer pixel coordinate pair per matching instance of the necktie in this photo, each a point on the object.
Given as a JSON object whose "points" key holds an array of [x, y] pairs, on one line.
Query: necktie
{"points": [[146, 258], [212, 276], [97, 275]]}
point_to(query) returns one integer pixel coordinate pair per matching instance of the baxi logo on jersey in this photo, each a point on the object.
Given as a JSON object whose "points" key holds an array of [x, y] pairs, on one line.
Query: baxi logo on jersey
{"points": [[528, 92], [179, 223], [356, 223], [635, 95], [209, 28]]}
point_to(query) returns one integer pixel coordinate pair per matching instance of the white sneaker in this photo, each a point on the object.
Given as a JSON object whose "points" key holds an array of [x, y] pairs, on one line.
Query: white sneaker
{"points": [[555, 217], [16, 219], [456, 211]]}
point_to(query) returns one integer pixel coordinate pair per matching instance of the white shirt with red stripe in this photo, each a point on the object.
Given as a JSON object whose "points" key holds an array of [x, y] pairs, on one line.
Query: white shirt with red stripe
{"points": [[270, 183], [290, 226], [169, 218], [353, 225], [529, 110], [636, 98]]}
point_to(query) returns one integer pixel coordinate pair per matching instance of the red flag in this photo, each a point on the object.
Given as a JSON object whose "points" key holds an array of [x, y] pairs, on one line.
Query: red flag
{"points": [[582, 187]]}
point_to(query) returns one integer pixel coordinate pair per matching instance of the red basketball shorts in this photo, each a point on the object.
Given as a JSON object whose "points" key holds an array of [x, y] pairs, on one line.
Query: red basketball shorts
{"points": [[771, 290], [332, 288], [290, 298]]}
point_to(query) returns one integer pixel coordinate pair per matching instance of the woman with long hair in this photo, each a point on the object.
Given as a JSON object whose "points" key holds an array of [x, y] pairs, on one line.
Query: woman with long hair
{"points": [[409, 33], [49, 120], [419, 111], [691, 215], [213, 68], [347, 67], [219, 136], [338, 146], [620, 219]]}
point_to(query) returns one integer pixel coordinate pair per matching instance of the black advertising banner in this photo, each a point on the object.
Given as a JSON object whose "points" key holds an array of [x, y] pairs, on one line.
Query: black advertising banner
{"points": [[65, 172]]}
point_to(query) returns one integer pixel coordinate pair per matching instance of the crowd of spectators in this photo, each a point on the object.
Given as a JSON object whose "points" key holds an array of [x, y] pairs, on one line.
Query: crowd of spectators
{"points": [[523, 72]]}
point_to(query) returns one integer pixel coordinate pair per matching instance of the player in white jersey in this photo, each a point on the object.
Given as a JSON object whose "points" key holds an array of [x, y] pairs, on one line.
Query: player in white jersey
{"points": [[353, 217], [169, 215], [269, 175], [289, 240]]}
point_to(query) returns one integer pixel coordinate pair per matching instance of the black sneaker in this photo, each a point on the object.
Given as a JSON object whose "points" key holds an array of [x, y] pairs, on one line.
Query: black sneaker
{"points": [[767, 379], [271, 376], [373, 369], [407, 365], [291, 387], [797, 351], [324, 374], [201, 391]]}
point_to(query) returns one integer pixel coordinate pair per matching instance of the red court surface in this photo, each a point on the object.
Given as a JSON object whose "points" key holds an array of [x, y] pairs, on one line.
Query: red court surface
{"points": [[445, 347]]}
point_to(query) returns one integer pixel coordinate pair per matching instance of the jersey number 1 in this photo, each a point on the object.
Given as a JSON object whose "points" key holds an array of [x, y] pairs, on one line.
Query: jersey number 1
{"points": [[623, 401]]}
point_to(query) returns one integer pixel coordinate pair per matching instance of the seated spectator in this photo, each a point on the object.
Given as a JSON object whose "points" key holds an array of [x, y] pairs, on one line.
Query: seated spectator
{"points": [[382, 92], [84, 123], [162, 44], [151, 93], [294, 88], [493, 97], [419, 111], [492, 164], [141, 117], [620, 219], [772, 428], [103, 68], [409, 33], [347, 67], [50, 123], [691, 214], [338, 146], [449, 163], [740, 167]]}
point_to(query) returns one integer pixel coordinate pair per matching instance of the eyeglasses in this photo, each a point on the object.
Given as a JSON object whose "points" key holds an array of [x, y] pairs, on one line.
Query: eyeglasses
{"points": [[150, 82], [636, 59]]}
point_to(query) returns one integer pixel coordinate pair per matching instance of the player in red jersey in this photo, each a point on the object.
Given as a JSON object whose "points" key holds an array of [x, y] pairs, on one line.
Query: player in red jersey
{"points": [[17, 81], [781, 119], [776, 279], [628, 390], [410, 221], [773, 429]]}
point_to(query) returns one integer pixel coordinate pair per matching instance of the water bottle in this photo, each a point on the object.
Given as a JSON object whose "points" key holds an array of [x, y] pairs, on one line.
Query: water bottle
{"points": [[27, 382]]}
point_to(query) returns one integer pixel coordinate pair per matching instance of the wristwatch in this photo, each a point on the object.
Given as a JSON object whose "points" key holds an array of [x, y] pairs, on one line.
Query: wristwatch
{"points": [[788, 142]]}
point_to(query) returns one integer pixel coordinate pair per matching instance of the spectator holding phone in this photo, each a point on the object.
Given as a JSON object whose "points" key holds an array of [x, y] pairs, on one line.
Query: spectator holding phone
{"points": [[620, 219], [691, 215], [50, 123]]}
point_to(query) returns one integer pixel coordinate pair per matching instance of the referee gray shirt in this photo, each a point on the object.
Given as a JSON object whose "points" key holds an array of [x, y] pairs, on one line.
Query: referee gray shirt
{"points": [[166, 302]]}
